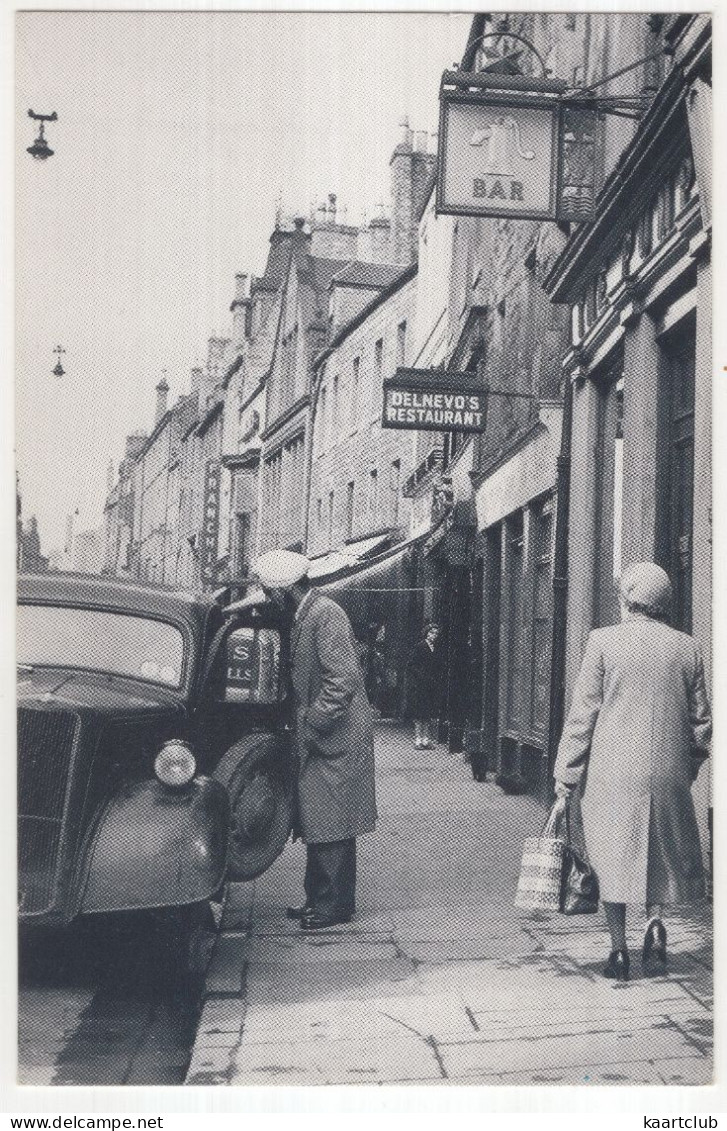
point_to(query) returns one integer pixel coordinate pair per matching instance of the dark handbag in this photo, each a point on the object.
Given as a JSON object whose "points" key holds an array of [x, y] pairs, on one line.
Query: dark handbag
{"points": [[579, 883]]}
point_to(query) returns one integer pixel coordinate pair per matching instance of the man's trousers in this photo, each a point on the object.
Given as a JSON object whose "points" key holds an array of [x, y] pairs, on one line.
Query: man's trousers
{"points": [[330, 878]]}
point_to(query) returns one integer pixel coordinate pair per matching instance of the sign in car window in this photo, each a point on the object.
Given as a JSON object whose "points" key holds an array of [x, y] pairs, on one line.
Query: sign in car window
{"points": [[253, 659]]}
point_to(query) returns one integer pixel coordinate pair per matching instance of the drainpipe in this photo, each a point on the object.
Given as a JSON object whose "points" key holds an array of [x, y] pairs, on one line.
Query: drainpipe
{"points": [[560, 590]]}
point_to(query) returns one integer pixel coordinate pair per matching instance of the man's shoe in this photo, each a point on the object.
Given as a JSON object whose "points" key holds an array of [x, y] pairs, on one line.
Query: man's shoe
{"points": [[316, 922], [298, 913]]}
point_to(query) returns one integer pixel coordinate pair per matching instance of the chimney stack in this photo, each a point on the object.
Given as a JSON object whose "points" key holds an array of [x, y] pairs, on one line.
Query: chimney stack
{"points": [[405, 134], [109, 478], [411, 174], [240, 308], [215, 357], [161, 405], [195, 381]]}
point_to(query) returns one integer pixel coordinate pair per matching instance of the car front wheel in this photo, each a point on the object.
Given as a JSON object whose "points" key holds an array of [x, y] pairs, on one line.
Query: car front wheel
{"points": [[255, 773]]}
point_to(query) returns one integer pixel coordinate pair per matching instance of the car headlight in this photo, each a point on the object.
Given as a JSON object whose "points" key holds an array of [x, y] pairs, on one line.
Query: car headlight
{"points": [[174, 765]]}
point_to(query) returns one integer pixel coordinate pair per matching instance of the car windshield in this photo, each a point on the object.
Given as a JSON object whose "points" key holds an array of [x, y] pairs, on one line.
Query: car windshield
{"points": [[120, 644]]}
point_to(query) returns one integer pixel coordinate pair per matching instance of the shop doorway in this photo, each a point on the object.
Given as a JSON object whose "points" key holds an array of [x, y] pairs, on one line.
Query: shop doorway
{"points": [[680, 366], [492, 582]]}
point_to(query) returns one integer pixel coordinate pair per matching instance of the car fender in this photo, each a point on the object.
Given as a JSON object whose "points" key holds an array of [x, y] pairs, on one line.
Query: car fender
{"points": [[156, 847]]}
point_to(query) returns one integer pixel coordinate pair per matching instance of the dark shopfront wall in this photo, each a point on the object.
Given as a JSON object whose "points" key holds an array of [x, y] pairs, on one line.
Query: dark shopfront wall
{"points": [[619, 484], [515, 563]]}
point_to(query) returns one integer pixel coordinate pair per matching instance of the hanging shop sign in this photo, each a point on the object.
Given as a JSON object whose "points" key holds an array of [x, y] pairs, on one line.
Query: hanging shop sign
{"points": [[210, 522], [434, 401], [515, 148]]}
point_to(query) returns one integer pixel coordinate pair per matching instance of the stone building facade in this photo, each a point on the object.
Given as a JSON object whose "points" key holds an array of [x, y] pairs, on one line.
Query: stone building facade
{"points": [[358, 468], [637, 284]]}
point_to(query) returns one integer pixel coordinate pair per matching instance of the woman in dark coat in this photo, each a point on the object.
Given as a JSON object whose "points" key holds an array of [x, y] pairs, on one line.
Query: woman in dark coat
{"points": [[638, 730], [425, 673]]}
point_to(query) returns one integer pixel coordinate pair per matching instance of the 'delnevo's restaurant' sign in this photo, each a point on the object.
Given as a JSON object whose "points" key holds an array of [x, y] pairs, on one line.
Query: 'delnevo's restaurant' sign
{"points": [[515, 147], [430, 401]]}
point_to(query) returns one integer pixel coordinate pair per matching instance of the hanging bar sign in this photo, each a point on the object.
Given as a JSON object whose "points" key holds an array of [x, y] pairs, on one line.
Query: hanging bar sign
{"points": [[514, 148]]}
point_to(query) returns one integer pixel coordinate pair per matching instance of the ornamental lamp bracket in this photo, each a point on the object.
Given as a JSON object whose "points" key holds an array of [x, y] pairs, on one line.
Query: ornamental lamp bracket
{"points": [[40, 150]]}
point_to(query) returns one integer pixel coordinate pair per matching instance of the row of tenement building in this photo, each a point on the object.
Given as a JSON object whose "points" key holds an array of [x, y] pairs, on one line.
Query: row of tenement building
{"points": [[513, 538]]}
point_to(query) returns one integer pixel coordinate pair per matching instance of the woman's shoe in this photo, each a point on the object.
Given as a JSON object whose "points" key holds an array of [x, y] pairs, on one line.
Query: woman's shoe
{"points": [[617, 966], [653, 956]]}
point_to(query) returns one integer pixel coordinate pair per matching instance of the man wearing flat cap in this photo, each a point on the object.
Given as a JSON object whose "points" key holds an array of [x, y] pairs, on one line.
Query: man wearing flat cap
{"points": [[336, 790]]}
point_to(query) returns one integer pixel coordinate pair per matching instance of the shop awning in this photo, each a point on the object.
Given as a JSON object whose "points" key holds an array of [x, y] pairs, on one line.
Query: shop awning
{"points": [[336, 572], [365, 547]]}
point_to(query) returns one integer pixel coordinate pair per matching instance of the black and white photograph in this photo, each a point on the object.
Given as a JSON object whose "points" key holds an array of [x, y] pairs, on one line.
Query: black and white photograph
{"points": [[363, 493]]}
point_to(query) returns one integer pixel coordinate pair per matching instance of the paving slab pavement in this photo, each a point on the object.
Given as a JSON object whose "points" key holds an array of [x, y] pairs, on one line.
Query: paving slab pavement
{"points": [[439, 980]]}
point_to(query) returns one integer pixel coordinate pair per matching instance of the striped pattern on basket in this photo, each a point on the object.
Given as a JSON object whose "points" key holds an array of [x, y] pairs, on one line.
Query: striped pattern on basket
{"points": [[541, 872]]}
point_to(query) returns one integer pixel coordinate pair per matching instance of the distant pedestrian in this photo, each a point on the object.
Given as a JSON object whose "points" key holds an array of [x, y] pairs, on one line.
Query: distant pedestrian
{"points": [[425, 673], [638, 730], [335, 737]]}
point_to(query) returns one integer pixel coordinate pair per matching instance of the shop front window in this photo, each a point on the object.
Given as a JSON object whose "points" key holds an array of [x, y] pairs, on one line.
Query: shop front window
{"points": [[542, 526], [609, 495], [679, 358]]}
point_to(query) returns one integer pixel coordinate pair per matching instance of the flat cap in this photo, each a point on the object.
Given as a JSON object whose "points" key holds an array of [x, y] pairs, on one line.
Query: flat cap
{"points": [[280, 569], [647, 585]]}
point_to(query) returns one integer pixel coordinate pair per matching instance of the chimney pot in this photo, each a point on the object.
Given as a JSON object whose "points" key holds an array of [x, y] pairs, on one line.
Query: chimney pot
{"points": [[162, 390], [405, 134], [420, 141], [240, 286], [298, 223]]}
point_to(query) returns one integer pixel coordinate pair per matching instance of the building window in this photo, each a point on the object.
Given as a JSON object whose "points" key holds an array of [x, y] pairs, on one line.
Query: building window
{"points": [[395, 490], [335, 408], [376, 382], [401, 344], [330, 518], [609, 489], [355, 391], [241, 548], [322, 421], [319, 515], [272, 491], [514, 606], [350, 489], [373, 492], [542, 534]]}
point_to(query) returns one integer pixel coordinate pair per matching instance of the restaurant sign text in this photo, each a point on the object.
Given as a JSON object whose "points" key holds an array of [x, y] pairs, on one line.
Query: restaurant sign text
{"points": [[429, 401]]}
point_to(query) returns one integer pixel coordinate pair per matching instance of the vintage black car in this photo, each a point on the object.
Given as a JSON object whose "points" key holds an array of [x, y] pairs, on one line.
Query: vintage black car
{"points": [[154, 747]]}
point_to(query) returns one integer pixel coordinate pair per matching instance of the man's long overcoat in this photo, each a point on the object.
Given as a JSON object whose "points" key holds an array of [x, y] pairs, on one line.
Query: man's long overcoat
{"points": [[638, 727], [336, 788]]}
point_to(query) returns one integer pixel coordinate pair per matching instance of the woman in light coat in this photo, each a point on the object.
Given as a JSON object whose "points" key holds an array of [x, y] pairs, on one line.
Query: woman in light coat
{"points": [[638, 729]]}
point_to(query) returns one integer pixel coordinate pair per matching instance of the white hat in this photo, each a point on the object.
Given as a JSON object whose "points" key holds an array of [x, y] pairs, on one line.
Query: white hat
{"points": [[280, 569], [647, 585]]}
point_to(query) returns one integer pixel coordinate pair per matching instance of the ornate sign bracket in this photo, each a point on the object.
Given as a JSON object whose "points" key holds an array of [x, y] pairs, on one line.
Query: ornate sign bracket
{"points": [[522, 146]]}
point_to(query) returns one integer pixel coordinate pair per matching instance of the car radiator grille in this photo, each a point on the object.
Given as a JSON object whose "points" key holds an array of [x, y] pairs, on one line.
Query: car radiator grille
{"points": [[45, 748]]}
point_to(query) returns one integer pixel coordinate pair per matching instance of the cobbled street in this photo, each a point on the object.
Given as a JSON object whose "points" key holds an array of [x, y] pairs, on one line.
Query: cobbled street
{"points": [[439, 979], [91, 1011]]}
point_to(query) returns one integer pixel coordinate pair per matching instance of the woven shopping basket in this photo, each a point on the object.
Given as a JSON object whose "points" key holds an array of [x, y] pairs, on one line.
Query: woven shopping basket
{"points": [[541, 871]]}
